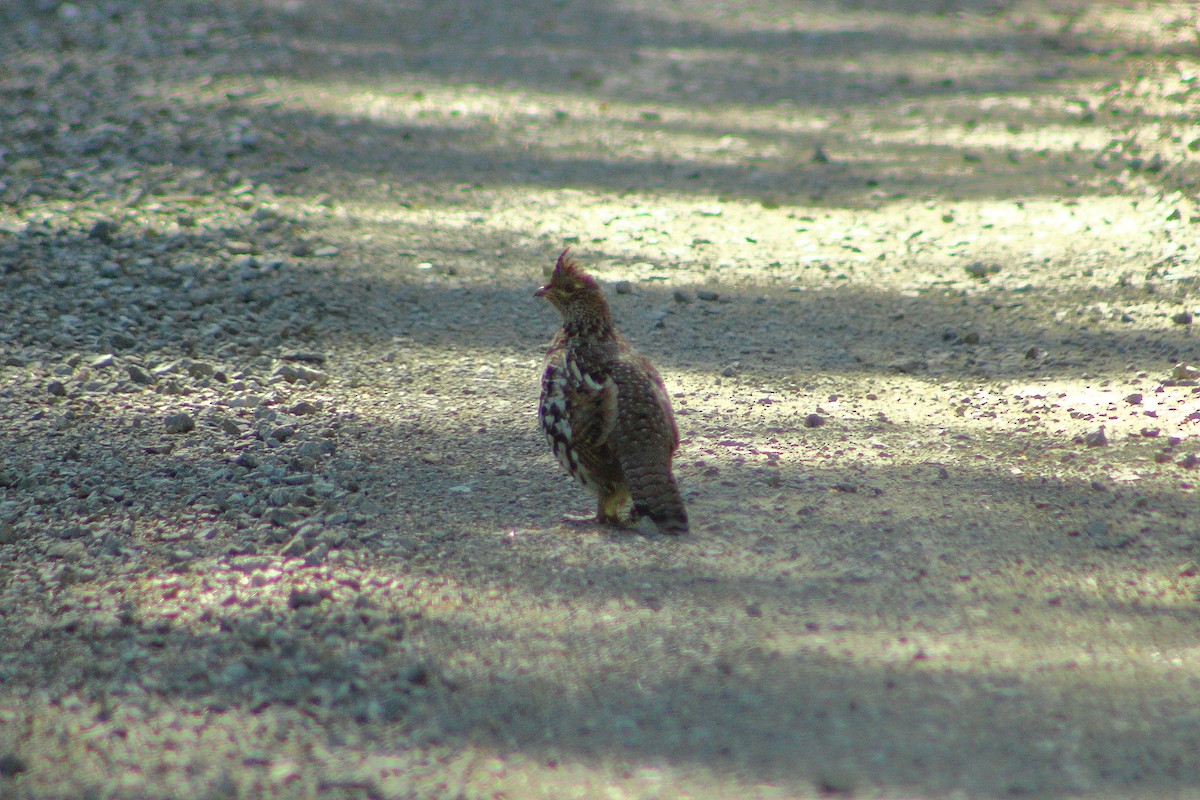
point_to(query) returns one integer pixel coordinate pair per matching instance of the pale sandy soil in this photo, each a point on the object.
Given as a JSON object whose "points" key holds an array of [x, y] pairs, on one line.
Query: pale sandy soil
{"points": [[899, 263]]}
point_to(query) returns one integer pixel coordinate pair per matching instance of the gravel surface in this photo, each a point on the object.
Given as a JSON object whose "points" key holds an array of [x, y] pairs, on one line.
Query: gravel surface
{"points": [[275, 516]]}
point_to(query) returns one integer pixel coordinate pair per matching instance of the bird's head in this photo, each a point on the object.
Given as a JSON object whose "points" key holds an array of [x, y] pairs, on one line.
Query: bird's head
{"points": [[575, 294]]}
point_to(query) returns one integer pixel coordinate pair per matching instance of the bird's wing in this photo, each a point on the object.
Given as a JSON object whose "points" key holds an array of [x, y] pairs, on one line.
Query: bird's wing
{"points": [[645, 406], [591, 404], [645, 434], [660, 394]]}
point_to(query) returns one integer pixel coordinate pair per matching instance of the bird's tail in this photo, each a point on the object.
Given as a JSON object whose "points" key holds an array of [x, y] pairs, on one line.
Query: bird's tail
{"points": [[656, 495]]}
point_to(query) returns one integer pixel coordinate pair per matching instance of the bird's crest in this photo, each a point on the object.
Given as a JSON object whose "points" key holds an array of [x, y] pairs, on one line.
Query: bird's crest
{"points": [[568, 276], [569, 284]]}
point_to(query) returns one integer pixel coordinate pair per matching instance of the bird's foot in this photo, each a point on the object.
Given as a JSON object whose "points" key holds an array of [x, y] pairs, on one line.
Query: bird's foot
{"points": [[592, 521]]}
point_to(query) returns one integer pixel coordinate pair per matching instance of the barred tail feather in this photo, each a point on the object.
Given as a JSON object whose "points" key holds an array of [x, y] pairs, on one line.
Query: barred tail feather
{"points": [[671, 517], [655, 493]]}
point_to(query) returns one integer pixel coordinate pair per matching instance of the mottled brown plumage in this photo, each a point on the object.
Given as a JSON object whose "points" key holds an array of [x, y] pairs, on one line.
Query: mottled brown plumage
{"points": [[604, 408]]}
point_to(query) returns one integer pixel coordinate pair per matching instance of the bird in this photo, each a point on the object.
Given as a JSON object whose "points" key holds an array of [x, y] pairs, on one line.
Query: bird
{"points": [[604, 408]]}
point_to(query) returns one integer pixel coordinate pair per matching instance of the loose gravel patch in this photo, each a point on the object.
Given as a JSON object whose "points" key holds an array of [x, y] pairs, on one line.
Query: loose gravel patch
{"points": [[275, 518]]}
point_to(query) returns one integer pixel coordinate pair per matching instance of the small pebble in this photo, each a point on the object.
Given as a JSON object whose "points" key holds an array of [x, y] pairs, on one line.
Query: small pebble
{"points": [[418, 675], [67, 551], [1185, 372], [314, 449], [707, 295], [198, 369], [295, 548], [982, 269], [623, 287], [304, 598], [281, 516], [305, 356], [283, 433], [122, 341], [310, 375], [11, 764], [180, 423], [103, 230], [906, 365], [70, 532]]}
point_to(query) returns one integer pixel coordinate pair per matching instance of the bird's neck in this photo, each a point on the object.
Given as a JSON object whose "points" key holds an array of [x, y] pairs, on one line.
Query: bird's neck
{"points": [[589, 328], [593, 323]]}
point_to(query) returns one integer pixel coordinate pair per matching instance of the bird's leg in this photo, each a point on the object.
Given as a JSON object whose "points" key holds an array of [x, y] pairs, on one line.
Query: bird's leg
{"points": [[601, 517], [612, 503], [608, 511], [612, 500]]}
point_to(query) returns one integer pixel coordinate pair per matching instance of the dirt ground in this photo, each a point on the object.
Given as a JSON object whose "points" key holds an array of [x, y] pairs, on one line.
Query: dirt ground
{"points": [[276, 519]]}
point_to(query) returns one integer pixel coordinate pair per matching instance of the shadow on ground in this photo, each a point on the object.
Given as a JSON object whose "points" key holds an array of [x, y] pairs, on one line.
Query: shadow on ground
{"points": [[815, 678]]}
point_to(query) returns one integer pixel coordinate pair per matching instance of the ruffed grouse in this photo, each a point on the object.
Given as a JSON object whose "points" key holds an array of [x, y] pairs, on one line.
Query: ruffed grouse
{"points": [[604, 408]]}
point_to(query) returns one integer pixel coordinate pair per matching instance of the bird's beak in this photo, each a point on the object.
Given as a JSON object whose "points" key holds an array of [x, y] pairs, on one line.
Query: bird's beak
{"points": [[542, 291]]}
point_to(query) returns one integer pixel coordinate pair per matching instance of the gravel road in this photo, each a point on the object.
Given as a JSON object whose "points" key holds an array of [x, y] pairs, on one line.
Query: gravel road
{"points": [[276, 520]]}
